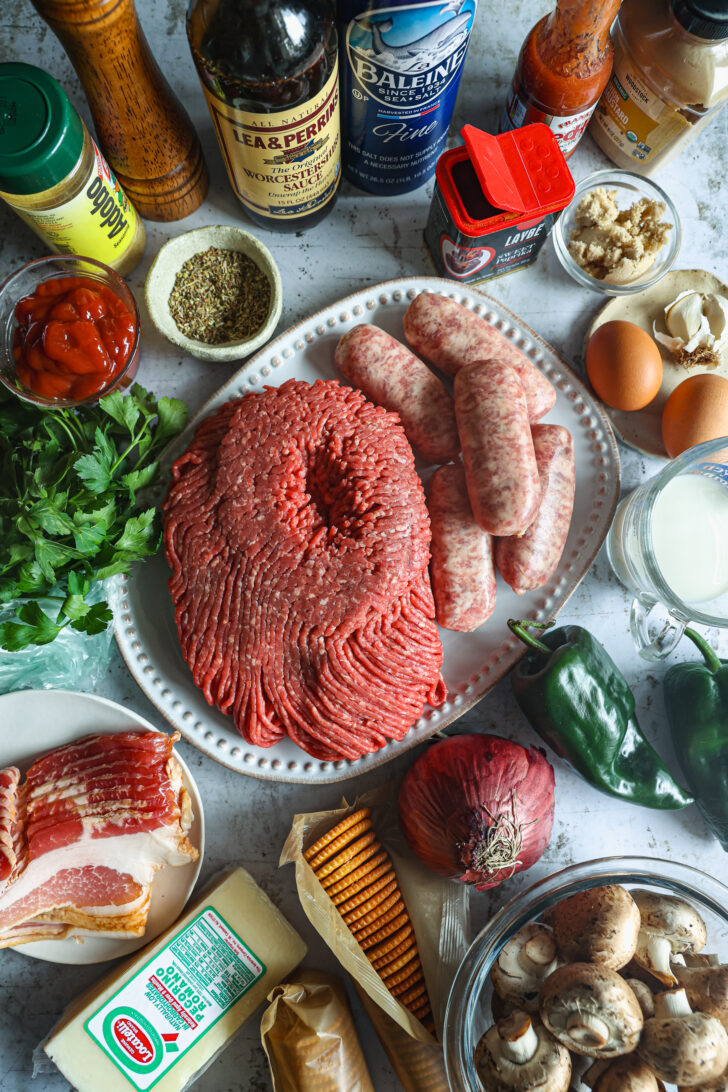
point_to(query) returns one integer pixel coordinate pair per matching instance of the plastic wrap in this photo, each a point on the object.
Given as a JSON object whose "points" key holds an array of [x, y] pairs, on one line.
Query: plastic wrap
{"points": [[438, 908], [309, 1037], [73, 661]]}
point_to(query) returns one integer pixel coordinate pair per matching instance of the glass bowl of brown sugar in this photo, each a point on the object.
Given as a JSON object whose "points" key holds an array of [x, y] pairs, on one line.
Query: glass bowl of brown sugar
{"points": [[215, 292]]}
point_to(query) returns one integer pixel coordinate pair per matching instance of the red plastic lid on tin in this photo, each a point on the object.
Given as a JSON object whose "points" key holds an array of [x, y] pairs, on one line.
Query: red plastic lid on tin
{"points": [[523, 170]]}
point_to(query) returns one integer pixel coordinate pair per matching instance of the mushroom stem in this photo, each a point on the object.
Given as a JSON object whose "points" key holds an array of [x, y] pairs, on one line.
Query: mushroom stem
{"points": [[659, 951], [587, 1030], [519, 1041], [672, 1003], [595, 1071], [538, 955]]}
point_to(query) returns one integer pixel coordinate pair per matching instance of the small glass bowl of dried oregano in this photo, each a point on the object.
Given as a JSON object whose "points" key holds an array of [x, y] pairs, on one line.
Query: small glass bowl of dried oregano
{"points": [[215, 292]]}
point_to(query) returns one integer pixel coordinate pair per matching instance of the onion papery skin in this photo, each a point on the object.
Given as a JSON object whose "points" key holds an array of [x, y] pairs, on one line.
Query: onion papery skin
{"points": [[462, 787]]}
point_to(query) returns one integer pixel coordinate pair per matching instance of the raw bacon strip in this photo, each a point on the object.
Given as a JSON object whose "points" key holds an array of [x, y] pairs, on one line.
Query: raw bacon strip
{"points": [[298, 539], [93, 822], [9, 781]]}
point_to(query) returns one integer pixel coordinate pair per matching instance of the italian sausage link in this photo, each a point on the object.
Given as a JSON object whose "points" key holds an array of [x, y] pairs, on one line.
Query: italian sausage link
{"points": [[498, 454], [450, 336], [462, 569], [529, 562], [393, 377]]}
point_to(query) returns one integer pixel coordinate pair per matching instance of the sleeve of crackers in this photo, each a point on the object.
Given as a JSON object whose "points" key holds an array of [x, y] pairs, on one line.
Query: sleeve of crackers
{"points": [[397, 928], [309, 1037]]}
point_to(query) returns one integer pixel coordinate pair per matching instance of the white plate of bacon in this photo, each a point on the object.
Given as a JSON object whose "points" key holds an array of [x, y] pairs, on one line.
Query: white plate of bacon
{"points": [[299, 606], [101, 828]]}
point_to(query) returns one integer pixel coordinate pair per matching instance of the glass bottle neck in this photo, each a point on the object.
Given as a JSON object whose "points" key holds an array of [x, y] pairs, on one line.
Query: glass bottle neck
{"points": [[578, 27]]}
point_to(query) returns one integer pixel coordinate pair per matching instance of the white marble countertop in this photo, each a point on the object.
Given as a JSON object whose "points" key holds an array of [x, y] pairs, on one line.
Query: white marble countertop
{"points": [[367, 240]]}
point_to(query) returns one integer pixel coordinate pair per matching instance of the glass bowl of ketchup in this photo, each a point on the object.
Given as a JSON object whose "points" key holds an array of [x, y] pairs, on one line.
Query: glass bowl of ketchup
{"points": [[69, 331]]}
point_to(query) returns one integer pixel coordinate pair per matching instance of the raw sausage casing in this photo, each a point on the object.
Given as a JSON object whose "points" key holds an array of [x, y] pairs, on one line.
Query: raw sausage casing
{"points": [[500, 462], [450, 337], [461, 568], [390, 375], [529, 562]]}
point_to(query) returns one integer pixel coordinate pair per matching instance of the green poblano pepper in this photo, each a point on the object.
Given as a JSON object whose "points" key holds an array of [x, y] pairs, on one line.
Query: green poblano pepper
{"points": [[575, 697], [696, 697]]}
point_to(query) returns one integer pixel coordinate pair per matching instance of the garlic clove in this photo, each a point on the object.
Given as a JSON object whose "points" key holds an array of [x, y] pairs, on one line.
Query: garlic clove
{"points": [[715, 309], [683, 317], [674, 344], [701, 337]]}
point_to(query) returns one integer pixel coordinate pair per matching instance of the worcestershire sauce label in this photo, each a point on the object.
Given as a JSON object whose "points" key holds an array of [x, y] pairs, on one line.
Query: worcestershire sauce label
{"points": [[283, 164], [399, 83]]}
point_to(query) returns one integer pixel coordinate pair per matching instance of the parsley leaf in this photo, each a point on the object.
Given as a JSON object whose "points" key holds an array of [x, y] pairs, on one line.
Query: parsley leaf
{"points": [[69, 511]]}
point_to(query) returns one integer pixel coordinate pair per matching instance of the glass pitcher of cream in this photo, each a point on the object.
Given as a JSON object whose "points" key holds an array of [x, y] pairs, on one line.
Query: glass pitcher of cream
{"points": [[669, 545]]}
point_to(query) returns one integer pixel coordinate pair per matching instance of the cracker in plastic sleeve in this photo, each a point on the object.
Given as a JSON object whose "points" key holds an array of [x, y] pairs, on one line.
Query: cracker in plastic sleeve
{"points": [[309, 1037], [437, 909], [420, 1067]]}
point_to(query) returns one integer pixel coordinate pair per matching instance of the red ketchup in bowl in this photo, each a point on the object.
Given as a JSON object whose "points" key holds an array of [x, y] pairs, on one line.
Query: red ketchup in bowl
{"points": [[73, 337]]}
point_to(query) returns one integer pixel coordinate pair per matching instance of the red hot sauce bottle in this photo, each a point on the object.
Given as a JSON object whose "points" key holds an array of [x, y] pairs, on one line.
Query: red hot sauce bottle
{"points": [[563, 67]]}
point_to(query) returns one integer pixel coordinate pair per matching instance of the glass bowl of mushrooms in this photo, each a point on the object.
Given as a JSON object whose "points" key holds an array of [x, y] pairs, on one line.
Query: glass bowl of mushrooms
{"points": [[609, 976]]}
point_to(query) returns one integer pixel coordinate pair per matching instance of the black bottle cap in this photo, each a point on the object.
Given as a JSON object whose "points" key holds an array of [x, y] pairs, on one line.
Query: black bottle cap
{"points": [[703, 18]]}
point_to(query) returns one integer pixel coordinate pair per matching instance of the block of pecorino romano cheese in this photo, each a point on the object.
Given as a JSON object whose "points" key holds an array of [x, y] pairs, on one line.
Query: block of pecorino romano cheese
{"points": [[160, 1019]]}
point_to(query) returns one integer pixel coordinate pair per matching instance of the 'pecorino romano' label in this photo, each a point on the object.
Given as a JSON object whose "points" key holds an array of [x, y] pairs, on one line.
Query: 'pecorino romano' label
{"points": [[284, 164], [174, 999]]}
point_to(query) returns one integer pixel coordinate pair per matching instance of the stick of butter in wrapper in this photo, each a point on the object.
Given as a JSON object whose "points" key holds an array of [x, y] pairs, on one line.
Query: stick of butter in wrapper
{"points": [[161, 1018], [309, 1036]]}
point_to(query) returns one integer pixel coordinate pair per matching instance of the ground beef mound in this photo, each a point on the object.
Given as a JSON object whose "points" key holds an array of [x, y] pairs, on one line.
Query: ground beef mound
{"points": [[297, 534]]}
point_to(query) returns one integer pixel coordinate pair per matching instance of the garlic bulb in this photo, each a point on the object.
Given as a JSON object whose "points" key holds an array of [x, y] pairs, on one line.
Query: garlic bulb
{"points": [[696, 323]]}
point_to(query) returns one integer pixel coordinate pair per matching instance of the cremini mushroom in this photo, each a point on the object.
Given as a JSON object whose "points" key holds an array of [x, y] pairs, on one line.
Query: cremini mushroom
{"points": [[524, 962], [644, 995], [591, 1010], [706, 989], [681, 1046], [517, 1055], [700, 959], [720, 1084], [596, 926], [669, 925], [626, 1074]]}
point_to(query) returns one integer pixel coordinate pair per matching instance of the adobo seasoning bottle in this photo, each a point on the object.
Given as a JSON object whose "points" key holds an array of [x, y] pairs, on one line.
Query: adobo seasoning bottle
{"points": [[56, 179], [562, 69], [270, 76], [670, 78]]}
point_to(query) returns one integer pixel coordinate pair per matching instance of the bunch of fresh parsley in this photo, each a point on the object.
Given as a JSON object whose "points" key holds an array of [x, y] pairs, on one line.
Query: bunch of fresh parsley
{"points": [[69, 513]]}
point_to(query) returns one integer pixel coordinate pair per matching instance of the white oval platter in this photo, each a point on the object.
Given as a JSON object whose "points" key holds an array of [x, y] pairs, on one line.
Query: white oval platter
{"points": [[473, 662], [33, 722]]}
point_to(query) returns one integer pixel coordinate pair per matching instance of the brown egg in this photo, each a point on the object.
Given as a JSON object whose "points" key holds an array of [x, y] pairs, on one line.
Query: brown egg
{"points": [[697, 410], [624, 365]]}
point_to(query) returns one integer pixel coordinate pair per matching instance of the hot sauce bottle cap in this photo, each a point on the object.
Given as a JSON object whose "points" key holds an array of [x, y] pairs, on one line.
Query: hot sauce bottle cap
{"points": [[703, 18], [522, 170], [41, 135]]}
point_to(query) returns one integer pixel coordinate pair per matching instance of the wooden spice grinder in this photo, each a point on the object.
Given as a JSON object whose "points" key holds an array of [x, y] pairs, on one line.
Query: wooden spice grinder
{"points": [[142, 127]]}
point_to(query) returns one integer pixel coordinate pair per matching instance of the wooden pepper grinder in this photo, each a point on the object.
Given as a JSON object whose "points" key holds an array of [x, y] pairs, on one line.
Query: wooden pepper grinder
{"points": [[142, 127]]}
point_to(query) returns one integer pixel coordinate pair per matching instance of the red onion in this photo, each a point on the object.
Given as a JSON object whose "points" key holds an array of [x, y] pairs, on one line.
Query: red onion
{"points": [[477, 808]]}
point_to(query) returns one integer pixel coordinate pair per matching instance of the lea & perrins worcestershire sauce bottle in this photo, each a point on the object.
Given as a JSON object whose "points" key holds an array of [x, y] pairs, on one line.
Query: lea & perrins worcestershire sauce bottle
{"points": [[269, 71], [401, 64]]}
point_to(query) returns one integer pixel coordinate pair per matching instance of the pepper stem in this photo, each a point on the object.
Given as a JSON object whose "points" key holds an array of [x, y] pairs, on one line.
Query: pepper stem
{"points": [[712, 660], [519, 628]]}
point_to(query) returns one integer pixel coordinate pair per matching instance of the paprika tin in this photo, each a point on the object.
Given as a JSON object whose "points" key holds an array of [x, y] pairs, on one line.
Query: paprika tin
{"points": [[496, 199]]}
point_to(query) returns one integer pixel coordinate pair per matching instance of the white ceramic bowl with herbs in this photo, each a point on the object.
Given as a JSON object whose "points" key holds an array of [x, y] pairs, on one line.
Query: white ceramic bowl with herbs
{"points": [[215, 292]]}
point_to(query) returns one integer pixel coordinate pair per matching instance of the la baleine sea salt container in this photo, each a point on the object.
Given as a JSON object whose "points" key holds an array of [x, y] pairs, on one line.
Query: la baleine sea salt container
{"points": [[495, 201]]}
